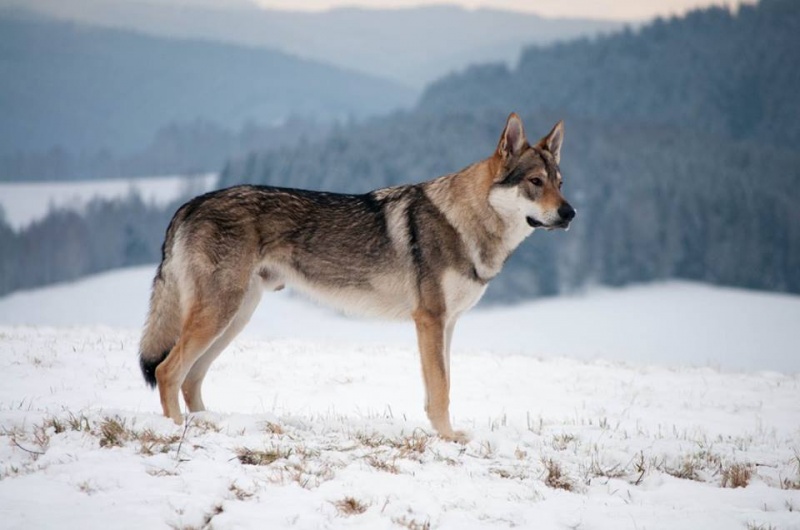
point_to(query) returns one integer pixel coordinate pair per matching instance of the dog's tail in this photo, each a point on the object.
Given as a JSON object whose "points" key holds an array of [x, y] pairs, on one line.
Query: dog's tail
{"points": [[162, 328]]}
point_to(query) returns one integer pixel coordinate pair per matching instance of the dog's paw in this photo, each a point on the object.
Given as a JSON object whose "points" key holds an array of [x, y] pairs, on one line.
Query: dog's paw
{"points": [[459, 437]]}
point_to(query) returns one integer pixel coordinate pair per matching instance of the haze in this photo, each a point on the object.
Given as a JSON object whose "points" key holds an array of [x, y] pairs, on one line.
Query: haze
{"points": [[603, 9]]}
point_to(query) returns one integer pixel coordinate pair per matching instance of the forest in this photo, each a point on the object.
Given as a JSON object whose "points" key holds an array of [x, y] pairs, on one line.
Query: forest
{"points": [[679, 156]]}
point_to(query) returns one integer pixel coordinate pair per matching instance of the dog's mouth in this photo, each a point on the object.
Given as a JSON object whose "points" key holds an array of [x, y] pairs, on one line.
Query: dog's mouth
{"points": [[535, 223]]}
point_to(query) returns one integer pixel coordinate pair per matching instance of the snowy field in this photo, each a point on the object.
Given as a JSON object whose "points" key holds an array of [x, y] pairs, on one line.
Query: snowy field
{"points": [[669, 324], [317, 421], [25, 202]]}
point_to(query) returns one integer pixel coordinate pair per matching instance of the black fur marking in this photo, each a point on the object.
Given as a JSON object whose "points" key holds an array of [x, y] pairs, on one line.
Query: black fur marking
{"points": [[149, 368], [515, 176], [413, 239], [550, 164]]}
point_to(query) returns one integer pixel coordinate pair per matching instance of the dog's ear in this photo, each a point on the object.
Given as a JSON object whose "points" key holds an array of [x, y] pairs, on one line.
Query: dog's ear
{"points": [[513, 140], [552, 142]]}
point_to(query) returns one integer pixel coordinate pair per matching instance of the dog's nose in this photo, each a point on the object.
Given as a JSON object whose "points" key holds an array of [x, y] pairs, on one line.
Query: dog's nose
{"points": [[566, 211]]}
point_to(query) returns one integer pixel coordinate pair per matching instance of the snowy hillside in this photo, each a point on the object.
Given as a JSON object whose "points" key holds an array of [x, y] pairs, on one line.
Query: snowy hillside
{"points": [[317, 421], [26, 202], [671, 324]]}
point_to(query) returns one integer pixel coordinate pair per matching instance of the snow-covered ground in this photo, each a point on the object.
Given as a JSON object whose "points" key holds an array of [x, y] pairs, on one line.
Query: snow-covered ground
{"points": [[317, 421], [25, 202], [671, 323]]}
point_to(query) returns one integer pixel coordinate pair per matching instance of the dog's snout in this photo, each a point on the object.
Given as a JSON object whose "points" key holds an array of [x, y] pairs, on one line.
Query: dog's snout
{"points": [[566, 211]]}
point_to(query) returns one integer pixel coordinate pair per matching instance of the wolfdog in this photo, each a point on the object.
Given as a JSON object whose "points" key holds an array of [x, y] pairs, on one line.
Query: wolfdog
{"points": [[424, 252]]}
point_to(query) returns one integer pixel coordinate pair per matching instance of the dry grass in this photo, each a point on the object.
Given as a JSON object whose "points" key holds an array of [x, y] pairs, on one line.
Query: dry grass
{"points": [[255, 457], [555, 477], [239, 493], [789, 484], [273, 428], [203, 425], [350, 506], [113, 432], [153, 443], [383, 464], [737, 475], [162, 473], [412, 524], [413, 445], [561, 441], [372, 440], [687, 470]]}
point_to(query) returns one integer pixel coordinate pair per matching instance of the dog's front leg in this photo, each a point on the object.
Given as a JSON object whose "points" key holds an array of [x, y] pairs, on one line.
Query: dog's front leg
{"points": [[431, 338]]}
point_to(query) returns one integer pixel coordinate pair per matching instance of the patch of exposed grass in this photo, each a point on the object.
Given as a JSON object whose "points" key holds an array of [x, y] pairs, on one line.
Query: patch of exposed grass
{"points": [[789, 484], [561, 441], [203, 425], [410, 445], [240, 493], [79, 423], [273, 428], [555, 477], [256, 457], [350, 506], [162, 472], [113, 432], [383, 464], [372, 440], [736, 475], [153, 443]]}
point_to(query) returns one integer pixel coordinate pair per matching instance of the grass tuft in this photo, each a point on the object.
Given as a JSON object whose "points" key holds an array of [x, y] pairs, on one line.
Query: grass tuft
{"points": [[350, 506], [254, 457], [153, 443], [555, 477], [113, 432], [737, 475]]}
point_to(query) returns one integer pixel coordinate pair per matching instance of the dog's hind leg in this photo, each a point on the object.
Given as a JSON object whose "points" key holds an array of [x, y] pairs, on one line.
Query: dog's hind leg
{"points": [[192, 385], [216, 302]]}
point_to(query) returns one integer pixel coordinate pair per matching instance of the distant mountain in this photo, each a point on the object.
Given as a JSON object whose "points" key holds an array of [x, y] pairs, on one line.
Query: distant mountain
{"points": [[84, 89], [412, 46]]}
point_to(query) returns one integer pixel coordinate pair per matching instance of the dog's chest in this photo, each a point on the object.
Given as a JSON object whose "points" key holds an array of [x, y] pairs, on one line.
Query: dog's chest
{"points": [[460, 292]]}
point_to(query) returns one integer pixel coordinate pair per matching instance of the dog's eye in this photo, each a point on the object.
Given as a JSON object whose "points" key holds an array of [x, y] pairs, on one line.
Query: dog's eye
{"points": [[537, 181], [560, 183]]}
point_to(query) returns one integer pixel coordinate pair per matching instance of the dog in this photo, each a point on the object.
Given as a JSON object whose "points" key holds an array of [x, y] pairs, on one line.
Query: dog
{"points": [[424, 252]]}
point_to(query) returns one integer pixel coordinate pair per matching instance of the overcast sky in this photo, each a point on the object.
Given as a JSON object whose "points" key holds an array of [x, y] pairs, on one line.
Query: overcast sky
{"points": [[608, 9]]}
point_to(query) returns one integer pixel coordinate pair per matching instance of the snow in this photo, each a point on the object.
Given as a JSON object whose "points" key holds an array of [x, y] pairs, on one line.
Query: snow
{"points": [[26, 202], [671, 323], [317, 421]]}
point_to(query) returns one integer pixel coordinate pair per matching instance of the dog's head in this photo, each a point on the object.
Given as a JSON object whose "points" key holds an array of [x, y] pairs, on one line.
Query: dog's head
{"points": [[527, 179]]}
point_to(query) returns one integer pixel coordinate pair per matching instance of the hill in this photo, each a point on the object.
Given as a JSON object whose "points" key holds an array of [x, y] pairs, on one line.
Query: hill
{"points": [[715, 71], [723, 328], [412, 46], [85, 89]]}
